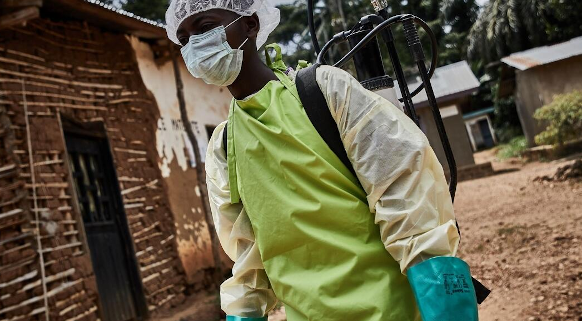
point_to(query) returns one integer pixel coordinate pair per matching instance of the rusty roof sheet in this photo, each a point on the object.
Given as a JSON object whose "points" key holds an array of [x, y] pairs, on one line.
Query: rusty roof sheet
{"points": [[448, 81], [544, 55]]}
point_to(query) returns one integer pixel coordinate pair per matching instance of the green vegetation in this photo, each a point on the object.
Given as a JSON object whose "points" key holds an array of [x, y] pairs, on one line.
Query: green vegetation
{"points": [[332, 16], [514, 148], [463, 31], [151, 9], [450, 20], [507, 26], [564, 119]]}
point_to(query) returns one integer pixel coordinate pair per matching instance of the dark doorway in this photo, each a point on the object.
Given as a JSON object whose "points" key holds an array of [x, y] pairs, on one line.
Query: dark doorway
{"points": [[120, 289], [486, 133], [209, 130]]}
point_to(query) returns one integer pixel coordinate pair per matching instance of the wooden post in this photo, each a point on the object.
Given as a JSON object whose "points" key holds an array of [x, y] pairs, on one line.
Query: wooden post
{"points": [[200, 172], [36, 217]]}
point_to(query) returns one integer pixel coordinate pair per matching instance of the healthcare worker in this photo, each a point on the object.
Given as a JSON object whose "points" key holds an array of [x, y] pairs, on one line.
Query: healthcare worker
{"points": [[300, 227]]}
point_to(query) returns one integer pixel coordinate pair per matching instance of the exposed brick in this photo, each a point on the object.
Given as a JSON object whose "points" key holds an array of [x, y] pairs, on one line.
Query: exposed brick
{"points": [[90, 285], [46, 136]]}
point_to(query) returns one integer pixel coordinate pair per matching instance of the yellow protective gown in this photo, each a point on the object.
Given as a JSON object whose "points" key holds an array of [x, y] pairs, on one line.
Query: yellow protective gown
{"points": [[403, 180]]}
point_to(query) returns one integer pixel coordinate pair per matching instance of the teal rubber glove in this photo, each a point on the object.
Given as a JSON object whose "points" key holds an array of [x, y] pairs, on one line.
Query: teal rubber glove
{"points": [[233, 318], [443, 290]]}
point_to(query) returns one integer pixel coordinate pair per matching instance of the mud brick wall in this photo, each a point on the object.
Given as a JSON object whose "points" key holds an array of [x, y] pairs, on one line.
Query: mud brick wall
{"points": [[74, 69]]}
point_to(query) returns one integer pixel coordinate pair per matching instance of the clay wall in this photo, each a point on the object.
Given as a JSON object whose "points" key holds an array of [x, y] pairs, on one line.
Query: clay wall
{"points": [[74, 70], [207, 106], [537, 87]]}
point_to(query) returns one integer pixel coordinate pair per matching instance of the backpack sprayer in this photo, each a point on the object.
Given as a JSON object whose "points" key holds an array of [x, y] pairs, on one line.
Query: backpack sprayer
{"points": [[364, 48]]}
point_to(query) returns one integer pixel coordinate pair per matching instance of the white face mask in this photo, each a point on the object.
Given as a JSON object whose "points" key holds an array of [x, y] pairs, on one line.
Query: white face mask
{"points": [[209, 57]]}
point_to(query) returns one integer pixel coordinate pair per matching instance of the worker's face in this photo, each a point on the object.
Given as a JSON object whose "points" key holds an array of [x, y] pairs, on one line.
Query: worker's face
{"points": [[236, 34]]}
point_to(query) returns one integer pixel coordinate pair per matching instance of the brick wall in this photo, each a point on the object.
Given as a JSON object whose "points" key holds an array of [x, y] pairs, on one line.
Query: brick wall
{"points": [[74, 69]]}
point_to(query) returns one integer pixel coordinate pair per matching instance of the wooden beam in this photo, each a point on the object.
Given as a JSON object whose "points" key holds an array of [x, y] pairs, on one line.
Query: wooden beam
{"points": [[11, 224], [20, 3], [11, 213], [19, 279], [51, 293], [19, 17], [16, 238]]}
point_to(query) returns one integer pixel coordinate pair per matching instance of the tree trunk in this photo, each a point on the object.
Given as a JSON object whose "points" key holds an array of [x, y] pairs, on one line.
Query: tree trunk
{"points": [[340, 8], [200, 172]]}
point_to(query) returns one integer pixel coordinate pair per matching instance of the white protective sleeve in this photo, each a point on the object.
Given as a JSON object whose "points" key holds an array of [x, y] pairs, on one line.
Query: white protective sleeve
{"points": [[395, 164], [248, 292], [402, 177]]}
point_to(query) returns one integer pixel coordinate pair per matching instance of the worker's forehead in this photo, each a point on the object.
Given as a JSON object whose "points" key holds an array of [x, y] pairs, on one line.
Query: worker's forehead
{"points": [[216, 14]]}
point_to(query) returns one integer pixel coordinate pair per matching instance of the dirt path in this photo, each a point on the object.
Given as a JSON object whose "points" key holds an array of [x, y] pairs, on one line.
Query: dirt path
{"points": [[203, 306], [522, 239]]}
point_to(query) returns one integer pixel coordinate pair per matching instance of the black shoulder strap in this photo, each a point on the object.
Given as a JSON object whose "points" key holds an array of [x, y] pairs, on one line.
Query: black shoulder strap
{"points": [[319, 114], [225, 140]]}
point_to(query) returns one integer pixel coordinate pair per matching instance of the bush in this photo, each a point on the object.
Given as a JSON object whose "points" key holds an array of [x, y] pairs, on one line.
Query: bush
{"points": [[514, 148], [564, 119]]}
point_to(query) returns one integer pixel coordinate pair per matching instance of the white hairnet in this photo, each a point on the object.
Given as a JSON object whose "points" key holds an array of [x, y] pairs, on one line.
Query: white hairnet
{"points": [[179, 10]]}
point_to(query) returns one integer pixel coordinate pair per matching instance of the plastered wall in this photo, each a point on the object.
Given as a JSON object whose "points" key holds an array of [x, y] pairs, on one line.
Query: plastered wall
{"points": [[207, 106], [458, 138], [537, 87]]}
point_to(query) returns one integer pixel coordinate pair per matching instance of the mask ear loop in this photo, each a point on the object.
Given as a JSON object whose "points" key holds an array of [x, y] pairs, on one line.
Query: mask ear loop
{"points": [[243, 44], [235, 20], [228, 25]]}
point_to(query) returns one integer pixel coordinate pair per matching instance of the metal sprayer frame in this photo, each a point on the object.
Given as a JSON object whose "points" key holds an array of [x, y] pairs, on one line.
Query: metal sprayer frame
{"points": [[383, 23]]}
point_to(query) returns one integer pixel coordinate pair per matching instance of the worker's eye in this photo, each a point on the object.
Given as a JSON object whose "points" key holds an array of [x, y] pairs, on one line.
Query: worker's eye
{"points": [[207, 26]]}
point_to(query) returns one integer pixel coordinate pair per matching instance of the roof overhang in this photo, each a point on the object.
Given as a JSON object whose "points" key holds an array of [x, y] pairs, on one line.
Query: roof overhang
{"points": [[478, 113], [544, 55], [104, 18], [521, 63], [447, 98]]}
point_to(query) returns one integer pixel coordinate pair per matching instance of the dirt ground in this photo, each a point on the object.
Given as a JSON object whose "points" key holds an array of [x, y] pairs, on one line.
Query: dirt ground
{"points": [[522, 239]]}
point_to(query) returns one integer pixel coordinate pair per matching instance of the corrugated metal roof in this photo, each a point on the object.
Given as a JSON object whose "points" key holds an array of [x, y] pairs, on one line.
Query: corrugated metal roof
{"points": [[544, 55], [126, 13], [449, 80]]}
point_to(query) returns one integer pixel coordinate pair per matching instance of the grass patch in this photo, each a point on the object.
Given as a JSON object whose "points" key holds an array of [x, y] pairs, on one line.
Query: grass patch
{"points": [[514, 148]]}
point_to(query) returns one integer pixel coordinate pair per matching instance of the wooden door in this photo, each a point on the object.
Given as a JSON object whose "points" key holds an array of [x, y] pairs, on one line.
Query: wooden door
{"points": [[486, 133], [106, 228]]}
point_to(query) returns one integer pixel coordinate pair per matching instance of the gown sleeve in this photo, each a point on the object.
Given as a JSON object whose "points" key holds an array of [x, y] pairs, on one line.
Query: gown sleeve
{"points": [[248, 292], [400, 173]]}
